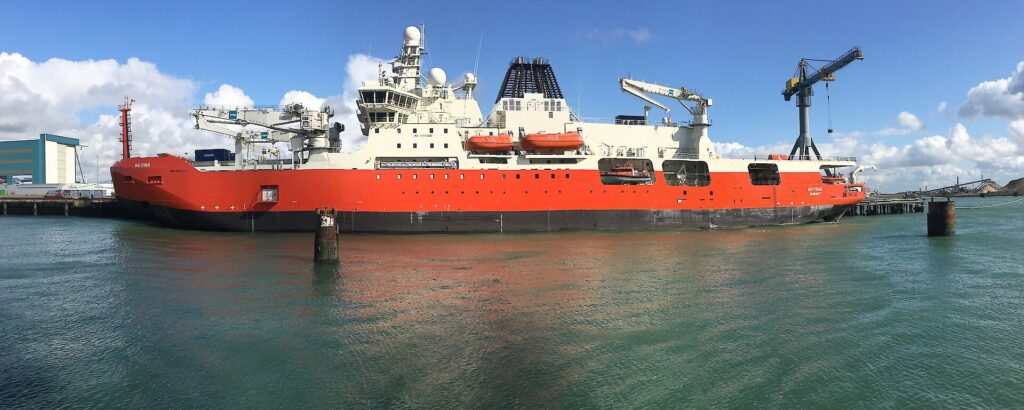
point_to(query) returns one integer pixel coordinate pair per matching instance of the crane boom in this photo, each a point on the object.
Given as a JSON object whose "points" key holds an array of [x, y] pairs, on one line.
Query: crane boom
{"points": [[640, 89], [824, 73], [312, 133], [801, 86]]}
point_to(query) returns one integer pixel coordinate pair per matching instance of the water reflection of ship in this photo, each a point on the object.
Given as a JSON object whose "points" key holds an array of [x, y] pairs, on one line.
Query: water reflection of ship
{"points": [[626, 174]]}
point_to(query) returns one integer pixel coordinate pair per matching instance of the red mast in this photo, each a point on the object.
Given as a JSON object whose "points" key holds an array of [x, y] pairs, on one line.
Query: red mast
{"points": [[126, 127]]}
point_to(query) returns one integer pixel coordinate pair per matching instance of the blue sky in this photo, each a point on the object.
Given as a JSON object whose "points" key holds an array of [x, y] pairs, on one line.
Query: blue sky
{"points": [[917, 54]]}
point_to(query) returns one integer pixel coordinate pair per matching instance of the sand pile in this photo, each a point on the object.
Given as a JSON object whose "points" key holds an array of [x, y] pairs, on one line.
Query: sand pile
{"points": [[1014, 187]]}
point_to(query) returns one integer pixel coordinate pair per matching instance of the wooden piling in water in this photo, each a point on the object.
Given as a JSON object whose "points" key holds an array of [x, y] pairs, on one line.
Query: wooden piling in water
{"points": [[941, 218], [325, 243]]}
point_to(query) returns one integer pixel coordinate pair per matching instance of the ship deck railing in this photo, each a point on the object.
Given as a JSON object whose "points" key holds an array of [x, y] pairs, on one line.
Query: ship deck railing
{"points": [[766, 157]]}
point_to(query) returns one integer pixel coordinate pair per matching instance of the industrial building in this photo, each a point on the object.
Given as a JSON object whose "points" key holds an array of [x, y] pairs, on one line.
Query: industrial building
{"points": [[48, 160]]}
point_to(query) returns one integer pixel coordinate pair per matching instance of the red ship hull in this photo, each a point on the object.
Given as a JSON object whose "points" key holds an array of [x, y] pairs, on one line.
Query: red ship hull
{"points": [[169, 190]]}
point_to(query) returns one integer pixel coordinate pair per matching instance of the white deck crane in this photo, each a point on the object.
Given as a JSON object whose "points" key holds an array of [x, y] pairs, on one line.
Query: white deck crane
{"points": [[313, 133], [640, 89]]}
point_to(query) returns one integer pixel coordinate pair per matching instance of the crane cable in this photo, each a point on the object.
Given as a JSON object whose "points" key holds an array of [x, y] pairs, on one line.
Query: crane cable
{"points": [[828, 99]]}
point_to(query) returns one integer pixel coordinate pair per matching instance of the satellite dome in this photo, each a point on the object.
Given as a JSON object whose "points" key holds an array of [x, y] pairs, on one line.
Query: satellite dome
{"points": [[412, 34], [470, 78], [436, 77]]}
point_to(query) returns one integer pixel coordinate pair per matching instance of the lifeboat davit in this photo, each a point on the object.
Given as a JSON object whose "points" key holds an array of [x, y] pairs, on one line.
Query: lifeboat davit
{"points": [[562, 142], [489, 143]]}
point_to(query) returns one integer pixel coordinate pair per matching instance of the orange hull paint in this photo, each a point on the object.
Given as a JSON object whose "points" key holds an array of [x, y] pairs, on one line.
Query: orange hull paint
{"points": [[172, 182]]}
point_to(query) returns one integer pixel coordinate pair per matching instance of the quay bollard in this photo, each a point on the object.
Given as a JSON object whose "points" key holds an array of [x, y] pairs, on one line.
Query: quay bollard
{"points": [[325, 245], [941, 218]]}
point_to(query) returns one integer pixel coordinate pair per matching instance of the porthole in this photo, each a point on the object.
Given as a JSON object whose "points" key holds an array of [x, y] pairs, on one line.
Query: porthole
{"points": [[414, 176], [399, 176], [552, 176], [399, 145], [462, 176], [413, 130], [481, 176], [536, 176], [445, 130], [414, 145], [431, 145], [517, 176], [446, 145], [431, 130], [376, 130], [378, 176], [566, 176], [431, 176]]}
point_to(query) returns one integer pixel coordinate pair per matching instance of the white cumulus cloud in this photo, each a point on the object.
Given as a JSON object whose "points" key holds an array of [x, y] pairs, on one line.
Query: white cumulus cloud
{"points": [[307, 99], [997, 98], [228, 96], [909, 121]]}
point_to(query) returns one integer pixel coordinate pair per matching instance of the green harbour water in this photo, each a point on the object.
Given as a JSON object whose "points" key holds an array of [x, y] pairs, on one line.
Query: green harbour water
{"points": [[868, 312]]}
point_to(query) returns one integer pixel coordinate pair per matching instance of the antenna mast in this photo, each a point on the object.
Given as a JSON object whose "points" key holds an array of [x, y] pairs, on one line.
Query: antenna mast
{"points": [[126, 127]]}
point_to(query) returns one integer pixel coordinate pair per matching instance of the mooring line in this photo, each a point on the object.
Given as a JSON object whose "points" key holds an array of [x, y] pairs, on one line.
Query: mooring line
{"points": [[990, 206]]}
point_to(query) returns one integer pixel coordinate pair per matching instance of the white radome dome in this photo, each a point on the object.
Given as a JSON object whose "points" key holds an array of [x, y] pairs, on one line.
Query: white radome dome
{"points": [[412, 33], [436, 77], [470, 78]]}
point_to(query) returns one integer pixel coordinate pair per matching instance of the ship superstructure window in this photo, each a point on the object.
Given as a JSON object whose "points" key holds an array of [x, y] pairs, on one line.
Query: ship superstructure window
{"points": [[376, 116], [764, 174], [552, 105], [512, 105], [686, 173]]}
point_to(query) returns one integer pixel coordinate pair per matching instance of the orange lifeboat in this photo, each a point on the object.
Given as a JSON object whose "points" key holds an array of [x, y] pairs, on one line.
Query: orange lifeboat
{"points": [[563, 142], [489, 143]]}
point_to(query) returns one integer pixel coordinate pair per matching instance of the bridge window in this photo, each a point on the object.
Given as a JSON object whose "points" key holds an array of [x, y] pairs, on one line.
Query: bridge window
{"points": [[764, 174], [686, 173]]}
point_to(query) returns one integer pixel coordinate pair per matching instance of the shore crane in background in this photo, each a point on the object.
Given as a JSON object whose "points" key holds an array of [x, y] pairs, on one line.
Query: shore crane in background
{"points": [[640, 89], [801, 87], [314, 132]]}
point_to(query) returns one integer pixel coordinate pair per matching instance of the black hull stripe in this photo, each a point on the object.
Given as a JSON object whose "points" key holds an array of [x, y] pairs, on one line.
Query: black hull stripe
{"points": [[487, 221]]}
